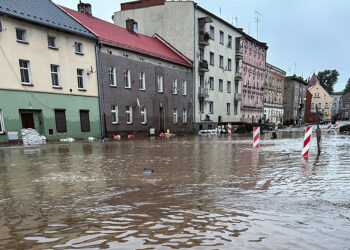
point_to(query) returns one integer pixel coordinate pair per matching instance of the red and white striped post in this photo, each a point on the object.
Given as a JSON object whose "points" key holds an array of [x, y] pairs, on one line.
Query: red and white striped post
{"points": [[256, 137], [229, 126], [307, 142], [329, 127], [336, 125], [276, 126]]}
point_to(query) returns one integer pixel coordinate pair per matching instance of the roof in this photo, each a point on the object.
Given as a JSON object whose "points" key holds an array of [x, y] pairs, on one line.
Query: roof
{"points": [[270, 66], [43, 12], [313, 81], [346, 97], [114, 35], [296, 78]]}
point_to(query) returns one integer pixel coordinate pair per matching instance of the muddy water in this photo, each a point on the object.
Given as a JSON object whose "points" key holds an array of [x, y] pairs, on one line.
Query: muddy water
{"points": [[205, 193]]}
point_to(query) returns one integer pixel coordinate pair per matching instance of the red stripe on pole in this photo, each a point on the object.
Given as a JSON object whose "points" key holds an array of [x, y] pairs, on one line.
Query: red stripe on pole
{"points": [[256, 137], [308, 139]]}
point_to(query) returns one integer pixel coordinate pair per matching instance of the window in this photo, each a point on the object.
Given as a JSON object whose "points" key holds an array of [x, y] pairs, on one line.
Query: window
{"points": [[127, 80], [229, 44], [211, 107], [55, 75], [228, 108], [201, 81], [112, 74], [78, 48], [143, 115], [175, 87], [228, 87], [221, 85], [221, 61], [184, 87], [175, 116], [60, 117], [81, 79], [229, 64], [51, 41], [235, 108], [160, 83], [236, 87], [211, 61], [201, 106], [184, 116], [221, 37], [211, 83], [84, 121], [21, 35], [212, 33], [115, 115], [128, 114], [312, 105], [201, 54], [2, 128], [26, 75], [142, 81]]}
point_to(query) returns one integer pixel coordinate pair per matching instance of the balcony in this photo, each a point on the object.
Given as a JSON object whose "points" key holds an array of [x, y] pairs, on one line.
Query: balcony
{"points": [[238, 76], [203, 39], [239, 55], [237, 97], [203, 66], [203, 92]]}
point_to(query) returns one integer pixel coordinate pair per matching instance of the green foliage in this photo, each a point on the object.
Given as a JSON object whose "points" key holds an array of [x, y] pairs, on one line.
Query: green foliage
{"points": [[347, 87], [328, 78]]}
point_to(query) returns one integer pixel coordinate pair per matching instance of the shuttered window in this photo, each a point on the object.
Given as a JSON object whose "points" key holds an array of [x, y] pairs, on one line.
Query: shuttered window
{"points": [[60, 116], [84, 120]]}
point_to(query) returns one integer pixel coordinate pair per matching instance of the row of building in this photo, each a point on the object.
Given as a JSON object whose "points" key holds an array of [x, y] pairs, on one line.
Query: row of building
{"points": [[161, 65]]}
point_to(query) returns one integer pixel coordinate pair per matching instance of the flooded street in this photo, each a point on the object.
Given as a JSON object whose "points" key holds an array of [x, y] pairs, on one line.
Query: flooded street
{"points": [[204, 193]]}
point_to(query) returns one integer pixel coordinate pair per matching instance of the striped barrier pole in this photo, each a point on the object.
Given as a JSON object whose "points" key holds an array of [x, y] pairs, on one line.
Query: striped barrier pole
{"points": [[329, 127], [307, 142], [256, 137], [276, 126], [336, 125], [229, 128]]}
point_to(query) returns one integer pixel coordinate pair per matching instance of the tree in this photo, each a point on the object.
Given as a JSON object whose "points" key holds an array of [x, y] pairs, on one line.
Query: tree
{"points": [[347, 87], [328, 78]]}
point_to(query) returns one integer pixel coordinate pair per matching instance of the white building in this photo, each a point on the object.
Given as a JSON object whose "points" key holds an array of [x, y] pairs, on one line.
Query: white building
{"points": [[206, 39]]}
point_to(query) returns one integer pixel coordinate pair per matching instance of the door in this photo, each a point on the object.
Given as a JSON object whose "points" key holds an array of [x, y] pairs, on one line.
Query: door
{"points": [[161, 120], [27, 120]]}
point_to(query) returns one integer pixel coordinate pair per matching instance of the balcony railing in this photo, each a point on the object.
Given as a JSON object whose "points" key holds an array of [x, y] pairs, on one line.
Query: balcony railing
{"points": [[238, 76], [203, 66], [203, 39], [239, 54], [237, 97], [203, 92]]}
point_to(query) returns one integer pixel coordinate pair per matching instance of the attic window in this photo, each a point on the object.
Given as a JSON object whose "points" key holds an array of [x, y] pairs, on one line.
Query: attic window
{"points": [[21, 35], [78, 48]]}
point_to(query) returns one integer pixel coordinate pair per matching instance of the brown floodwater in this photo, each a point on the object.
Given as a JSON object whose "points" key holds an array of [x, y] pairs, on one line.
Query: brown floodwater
{"points": [[205, 193]]}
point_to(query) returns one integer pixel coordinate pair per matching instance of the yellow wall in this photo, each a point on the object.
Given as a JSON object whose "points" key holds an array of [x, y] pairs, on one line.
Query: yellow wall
{"points": [[323, 98], [40, 57]]}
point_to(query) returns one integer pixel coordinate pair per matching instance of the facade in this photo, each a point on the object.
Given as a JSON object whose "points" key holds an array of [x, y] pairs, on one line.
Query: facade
{"points": [[145, 82], [345, 103], [274, 94], [214, 46], [294, 100], [254, 75], [321, 98], [336, 107], [48, 69]]}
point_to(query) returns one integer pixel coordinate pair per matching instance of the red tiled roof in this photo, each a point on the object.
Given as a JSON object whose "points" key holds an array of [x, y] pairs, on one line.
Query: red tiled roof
{"points": [[121, 37], [313, 81]]}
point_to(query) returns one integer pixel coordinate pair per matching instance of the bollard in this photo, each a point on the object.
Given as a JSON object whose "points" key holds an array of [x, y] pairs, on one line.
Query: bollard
{"points": [[276, 126], [229, 126], [336, 125], [329, 127], [256, 137], [307, 142]]}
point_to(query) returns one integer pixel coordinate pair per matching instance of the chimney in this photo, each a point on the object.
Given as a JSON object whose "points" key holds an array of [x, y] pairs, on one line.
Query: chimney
{"points": [[131, 26], [85, 8]]}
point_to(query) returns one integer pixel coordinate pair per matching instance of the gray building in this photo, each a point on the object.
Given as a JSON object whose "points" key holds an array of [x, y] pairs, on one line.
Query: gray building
{"points": [[345, 107], [294, 101], [145, 83], [336, 111]]}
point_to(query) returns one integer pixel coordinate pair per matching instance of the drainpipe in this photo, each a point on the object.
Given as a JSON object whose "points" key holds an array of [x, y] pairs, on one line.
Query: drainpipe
{"points": [[194, 65], [99, 85]]}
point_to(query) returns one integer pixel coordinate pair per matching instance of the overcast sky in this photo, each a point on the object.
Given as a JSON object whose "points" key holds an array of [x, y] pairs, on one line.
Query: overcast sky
{"points": [[304, 36]]}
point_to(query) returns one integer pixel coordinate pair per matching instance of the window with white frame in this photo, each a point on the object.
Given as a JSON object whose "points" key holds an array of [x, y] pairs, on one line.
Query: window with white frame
{"points": [[26, 75], [184, 87], [78, 48], [229, 64], [128, 114], [175, 87], [127, 80], [55, 75], [160, 83], [211, 83], [143, 115], [52, 42], [21, 35], [175, 118], [81, 79], [228, 108], [115, 115], [2, 128], [228, 87], [142, 80], [221, 61], [184, 116], [211, 107], [112, 76]]}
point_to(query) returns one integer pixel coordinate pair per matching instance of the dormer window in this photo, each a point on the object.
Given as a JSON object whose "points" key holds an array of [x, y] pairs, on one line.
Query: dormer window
{"points": [[21, 35], [78, 48], [135, 27]]}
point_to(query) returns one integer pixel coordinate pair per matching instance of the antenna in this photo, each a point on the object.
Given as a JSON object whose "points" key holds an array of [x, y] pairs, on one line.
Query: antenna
{"points": [[236, 18], [220, 11], [257, 20], [295, 68]]}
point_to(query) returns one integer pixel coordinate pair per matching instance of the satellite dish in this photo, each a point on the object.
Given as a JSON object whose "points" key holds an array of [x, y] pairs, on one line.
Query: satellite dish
{"points": [[0, 26], [138, 102]]}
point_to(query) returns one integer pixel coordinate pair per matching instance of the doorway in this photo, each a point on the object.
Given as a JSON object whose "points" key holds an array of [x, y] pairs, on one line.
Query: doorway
{"points": [[161, 119], [27, 120]]}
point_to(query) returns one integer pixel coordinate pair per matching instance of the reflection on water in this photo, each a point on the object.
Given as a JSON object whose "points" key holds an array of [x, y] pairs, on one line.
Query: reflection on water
{"points": [[204, 193]]}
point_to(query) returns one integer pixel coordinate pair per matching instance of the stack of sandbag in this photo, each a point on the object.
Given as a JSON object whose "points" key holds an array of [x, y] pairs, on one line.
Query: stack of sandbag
{"points": [[32, 137]]}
